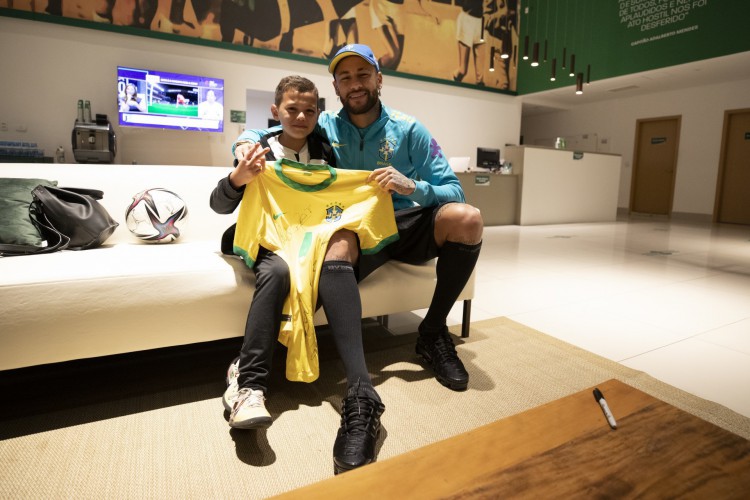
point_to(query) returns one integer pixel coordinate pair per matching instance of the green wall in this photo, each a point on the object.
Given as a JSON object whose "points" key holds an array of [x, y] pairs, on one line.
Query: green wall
{"points": [[620, 37]]}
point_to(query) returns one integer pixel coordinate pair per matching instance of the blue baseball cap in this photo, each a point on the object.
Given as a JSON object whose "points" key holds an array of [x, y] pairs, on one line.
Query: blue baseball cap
{"points": [[353, 49]]}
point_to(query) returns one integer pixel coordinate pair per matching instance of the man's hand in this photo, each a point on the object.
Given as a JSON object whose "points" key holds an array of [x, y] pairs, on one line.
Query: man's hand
{"points": [[391, 180], [252, 163]]}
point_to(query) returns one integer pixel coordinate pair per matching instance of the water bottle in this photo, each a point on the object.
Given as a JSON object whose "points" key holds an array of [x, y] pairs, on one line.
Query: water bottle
{"points": [[60, 155]]}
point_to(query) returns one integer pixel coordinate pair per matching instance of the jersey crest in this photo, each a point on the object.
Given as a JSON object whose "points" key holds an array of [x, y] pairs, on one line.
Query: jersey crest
{"points": [[333, 213]]}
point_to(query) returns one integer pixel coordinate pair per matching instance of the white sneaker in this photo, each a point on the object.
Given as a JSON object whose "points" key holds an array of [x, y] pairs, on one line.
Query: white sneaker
{"points": [[250, 410], [230, 395]]}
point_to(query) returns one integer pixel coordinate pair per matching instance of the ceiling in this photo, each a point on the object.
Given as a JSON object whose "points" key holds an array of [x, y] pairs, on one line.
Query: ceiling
{"points": [[709, 71]]}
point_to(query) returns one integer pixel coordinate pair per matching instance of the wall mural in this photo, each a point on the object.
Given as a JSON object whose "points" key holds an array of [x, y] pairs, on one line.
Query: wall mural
{"points": [[473, 42]]}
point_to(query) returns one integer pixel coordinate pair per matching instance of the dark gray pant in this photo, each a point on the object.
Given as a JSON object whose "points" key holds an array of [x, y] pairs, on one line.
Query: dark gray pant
{"points": [[272, 284]]}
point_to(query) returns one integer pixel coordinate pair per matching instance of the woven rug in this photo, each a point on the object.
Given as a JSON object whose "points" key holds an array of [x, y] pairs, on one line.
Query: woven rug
{"points": [[157, 428]]}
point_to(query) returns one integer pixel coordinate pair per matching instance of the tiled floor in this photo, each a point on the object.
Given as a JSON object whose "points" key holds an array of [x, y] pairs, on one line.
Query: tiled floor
{"points": [[671, 299]]}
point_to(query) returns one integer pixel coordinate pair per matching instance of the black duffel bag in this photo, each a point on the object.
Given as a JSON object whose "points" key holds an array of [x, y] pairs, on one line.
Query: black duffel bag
{"points": [[67, 218]]}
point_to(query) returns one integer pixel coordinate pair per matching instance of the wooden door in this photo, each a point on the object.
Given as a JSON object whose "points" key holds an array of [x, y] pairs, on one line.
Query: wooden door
{"points": [[654, 165], [733, 186]]}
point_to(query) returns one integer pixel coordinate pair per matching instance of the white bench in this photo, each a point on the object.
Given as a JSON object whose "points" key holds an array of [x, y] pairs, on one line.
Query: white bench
{"points": [[130, 296]]}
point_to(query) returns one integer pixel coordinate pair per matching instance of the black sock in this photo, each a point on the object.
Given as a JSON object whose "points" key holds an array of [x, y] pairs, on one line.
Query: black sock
{"points": [[337, 291], [455, 264]]}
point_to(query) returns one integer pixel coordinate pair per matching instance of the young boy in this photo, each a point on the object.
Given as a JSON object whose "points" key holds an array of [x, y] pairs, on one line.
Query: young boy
{"points": [[296, 107]]}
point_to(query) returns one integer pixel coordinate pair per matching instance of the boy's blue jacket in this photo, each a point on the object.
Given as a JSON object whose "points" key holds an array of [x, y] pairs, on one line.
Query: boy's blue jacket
{"points": [[395, 139]]}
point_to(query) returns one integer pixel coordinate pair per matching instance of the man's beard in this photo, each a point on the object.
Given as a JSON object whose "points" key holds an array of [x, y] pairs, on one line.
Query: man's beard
{"points": [[372, 101]]}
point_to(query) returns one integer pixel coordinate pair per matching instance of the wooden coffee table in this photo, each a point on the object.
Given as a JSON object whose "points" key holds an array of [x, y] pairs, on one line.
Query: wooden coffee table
{"points": [[564, 449]]}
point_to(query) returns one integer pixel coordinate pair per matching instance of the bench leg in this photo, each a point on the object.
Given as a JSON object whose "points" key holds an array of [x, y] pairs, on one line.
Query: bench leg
{"points": [[383, 320], [466, 321]]}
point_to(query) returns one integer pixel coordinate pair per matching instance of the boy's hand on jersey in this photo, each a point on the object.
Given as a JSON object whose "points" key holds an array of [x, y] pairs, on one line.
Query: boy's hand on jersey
{"points": [[391, 180], [252, 164]]}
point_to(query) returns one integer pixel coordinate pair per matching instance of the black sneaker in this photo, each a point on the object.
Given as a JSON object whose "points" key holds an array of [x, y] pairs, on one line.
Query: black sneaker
{"points": [[355, 440], [440, 353]]}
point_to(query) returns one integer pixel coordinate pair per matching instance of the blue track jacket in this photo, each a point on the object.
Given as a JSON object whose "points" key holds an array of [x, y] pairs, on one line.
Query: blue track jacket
{"points": [[395, 139]]}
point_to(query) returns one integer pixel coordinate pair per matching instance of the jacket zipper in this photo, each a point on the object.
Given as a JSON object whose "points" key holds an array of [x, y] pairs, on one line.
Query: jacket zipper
{"points": [[361, 150]]}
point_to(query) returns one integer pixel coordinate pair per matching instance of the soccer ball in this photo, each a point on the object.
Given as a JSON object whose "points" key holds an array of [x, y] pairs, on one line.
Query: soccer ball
{"points": [[156, 215]]}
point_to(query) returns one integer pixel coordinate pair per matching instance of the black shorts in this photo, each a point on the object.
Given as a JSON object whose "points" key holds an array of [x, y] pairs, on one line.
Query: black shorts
{"points": [[416, 243]]}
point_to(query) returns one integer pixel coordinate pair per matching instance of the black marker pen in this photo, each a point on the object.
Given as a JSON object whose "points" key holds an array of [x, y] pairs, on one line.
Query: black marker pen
{"points": [[605, 408]]}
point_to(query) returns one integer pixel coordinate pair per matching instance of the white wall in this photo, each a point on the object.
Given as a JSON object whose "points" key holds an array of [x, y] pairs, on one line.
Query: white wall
{"points": [[702, 110], [47, 68], [258, 108]]}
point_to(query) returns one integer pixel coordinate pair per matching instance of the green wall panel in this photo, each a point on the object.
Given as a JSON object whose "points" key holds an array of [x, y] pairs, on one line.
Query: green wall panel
{"points": [[620, 37]]}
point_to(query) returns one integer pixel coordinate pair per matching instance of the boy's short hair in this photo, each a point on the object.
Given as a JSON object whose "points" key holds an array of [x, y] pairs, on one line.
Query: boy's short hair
{"points": [[294, 82]]}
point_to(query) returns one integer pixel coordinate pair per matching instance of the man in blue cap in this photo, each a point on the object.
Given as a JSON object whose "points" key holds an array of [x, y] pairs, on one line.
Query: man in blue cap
{"points": [[432, 219]]}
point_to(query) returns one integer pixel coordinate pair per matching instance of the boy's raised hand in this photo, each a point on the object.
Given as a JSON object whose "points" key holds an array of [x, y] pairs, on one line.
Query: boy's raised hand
{"points": [[250, 165], [241, 149]]}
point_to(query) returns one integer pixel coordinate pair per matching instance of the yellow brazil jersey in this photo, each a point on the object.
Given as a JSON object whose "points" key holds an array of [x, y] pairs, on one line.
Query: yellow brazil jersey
{"points": [[293, 209]]}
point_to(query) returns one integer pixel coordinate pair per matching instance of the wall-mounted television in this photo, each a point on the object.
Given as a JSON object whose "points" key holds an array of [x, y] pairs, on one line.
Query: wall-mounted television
{"points": [[488, 157], [158, 99]]}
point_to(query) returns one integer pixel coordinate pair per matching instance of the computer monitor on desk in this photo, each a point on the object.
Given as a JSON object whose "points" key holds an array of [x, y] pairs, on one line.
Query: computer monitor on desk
{"points": [[488, 158]]}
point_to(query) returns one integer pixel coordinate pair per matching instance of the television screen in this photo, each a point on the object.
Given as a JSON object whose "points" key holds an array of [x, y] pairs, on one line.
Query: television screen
{"points": [[157, 99], [488, 158]]}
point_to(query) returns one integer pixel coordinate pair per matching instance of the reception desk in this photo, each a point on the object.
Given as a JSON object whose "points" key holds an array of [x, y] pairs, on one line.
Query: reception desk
{"points": [[495, 195], [557, 186]]}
